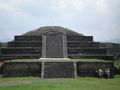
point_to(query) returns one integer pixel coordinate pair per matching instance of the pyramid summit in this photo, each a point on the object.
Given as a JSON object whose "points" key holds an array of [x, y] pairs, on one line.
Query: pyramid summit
{"points": [[50, 30]]}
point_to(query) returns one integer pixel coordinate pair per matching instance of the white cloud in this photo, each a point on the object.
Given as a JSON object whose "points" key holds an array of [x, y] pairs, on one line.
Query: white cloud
{"points": [[6, 7], [99, 18]]}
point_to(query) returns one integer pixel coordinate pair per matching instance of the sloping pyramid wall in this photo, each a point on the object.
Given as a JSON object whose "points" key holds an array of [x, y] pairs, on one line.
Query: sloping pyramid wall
{"points": [[24, 47]]}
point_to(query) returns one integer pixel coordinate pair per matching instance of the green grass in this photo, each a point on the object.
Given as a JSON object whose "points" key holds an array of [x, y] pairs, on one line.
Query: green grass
{"points": [[83, 83], [39, 60], [16, 78]]}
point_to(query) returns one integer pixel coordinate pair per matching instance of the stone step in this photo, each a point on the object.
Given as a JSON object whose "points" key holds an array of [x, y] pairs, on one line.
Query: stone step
{"points": [[87, 51], [83, 44], [84, 48], [87, 48], [80, 38], [20, 51], [104, 57], [25, 44], [25, 41], [5, 55], [20, 56], [28, 38], [26, 47]]}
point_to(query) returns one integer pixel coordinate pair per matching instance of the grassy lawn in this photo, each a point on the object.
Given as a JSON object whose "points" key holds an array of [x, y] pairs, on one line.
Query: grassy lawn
{"points": [[83, 83], [16, 79], [37, 60]]}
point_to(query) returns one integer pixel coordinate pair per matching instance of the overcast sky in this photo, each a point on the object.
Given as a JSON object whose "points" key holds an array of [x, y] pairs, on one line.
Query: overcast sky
{"points": [[98, 18]]}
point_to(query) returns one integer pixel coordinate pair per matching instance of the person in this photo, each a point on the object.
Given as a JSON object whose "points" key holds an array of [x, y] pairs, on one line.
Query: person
{"points": [[107, 73], [100, 73]]}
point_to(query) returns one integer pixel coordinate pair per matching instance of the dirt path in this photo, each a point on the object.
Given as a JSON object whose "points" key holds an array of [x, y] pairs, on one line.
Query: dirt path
{"points": [[13, 82], [27, 81]]}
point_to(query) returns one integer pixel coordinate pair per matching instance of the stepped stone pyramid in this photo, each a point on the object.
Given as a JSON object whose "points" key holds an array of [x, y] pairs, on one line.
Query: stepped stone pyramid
{"points": [[53, 42]]}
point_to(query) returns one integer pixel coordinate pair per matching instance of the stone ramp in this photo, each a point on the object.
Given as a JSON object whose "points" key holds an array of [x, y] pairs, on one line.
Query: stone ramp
{"points": [[54, 46]]}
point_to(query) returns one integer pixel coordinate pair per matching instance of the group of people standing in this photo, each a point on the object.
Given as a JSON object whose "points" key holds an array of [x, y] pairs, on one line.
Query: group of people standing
{"points": [[103, 73]]}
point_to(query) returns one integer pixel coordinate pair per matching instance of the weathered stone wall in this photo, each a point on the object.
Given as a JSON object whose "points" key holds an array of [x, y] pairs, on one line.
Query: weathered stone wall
{"points": [[82, 44], [21, 51], [92, 51], [86, 69], [25, 44], [28, 38], [20, 56], [79, 38], [59, 70], [20, 69], [102, 57]]}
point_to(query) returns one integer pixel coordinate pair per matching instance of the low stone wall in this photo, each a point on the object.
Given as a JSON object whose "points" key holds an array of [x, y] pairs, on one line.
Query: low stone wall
{"points": [[59, 70], [20, 69], [56, 69]]}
